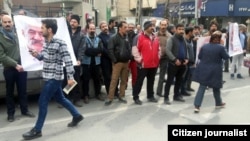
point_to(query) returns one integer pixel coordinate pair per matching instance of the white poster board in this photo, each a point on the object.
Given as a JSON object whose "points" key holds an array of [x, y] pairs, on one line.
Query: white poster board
{"points": [[30, 37], [235, 46]]}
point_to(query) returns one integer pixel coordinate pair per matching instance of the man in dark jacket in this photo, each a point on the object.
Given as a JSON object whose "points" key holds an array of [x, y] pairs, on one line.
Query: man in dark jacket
{"points": [[177, 53], [77, 40], [120, 54]]}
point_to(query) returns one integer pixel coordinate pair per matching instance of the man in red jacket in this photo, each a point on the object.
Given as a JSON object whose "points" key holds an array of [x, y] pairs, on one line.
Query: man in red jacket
{"points": [[146, 52]]}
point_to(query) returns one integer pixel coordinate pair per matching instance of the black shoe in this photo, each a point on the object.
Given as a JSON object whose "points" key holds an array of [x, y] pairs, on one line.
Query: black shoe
{"points": [[99, 97], [86, 100], [152, 99], [138, 102], [190, 89], [179, 98], [29, 114], [185, 94], [32, 134], [166, 101], [160, 95], [239, 76], [78, 103], [10, 118], [123, 100], [75, 121], [108, 102]]}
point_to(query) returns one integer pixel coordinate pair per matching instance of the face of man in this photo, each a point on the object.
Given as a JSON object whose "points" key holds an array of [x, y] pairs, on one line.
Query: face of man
{"points": [[104, 28], [7, 22], [73, 24], [150, 29], [196, 32], [163, 26], [180, 31], [213, 28], [35, 38], [131, 28], [123, 29], [91, 30], [44, 31]]}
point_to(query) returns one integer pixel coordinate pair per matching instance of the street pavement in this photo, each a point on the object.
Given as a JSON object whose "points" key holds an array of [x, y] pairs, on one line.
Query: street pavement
{"points": [[130, 122]]}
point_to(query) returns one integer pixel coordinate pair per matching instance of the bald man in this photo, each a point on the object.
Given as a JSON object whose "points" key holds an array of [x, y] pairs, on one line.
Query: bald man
{"points": [[13, 71]]}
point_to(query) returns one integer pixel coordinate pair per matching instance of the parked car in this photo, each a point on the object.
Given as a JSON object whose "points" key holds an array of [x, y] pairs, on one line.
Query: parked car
{"points": [[34, 83]]}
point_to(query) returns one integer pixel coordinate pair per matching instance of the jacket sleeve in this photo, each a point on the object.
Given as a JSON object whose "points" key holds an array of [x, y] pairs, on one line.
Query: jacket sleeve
{"points": [[6, 60], [169, 47], [111, 48]]}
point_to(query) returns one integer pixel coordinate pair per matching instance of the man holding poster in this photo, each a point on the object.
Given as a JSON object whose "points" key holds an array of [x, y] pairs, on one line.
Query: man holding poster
{"points": [[237, 47]]}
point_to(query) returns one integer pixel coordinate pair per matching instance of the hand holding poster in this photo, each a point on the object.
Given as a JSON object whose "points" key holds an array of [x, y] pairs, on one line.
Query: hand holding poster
{"points": [[31, 38], [234, 40]]}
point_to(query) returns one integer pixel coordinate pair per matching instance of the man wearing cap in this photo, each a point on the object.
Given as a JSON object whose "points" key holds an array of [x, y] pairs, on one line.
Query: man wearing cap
{"points": [[146, 52], [77, 40]]}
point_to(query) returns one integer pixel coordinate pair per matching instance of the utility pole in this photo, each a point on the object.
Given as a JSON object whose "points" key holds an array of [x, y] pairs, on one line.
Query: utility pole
{"points": [[138, 12], [166, 9]]}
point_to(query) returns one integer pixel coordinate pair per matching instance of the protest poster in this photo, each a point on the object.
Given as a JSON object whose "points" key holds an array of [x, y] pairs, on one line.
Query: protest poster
{"points": [[29, 34]]}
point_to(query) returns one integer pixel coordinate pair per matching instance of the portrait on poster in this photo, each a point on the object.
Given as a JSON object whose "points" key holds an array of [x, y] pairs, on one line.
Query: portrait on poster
{"points": [[30, 37]]}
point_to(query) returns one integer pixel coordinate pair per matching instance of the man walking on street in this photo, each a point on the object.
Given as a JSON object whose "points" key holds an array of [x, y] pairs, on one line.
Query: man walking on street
{"points": [[54, 54], [13, 71]]}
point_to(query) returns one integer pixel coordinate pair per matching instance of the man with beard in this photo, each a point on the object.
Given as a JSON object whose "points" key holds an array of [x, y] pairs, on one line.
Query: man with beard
{"points": [[13, 71], [33, 35], [91, 63], [163, 35], [212, 28], [77, 40], [54, 55], [177, 53], [106, 63]]}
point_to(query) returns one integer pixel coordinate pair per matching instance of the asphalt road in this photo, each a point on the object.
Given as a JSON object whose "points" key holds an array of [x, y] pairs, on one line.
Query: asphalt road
{"points": [[130, 122]]}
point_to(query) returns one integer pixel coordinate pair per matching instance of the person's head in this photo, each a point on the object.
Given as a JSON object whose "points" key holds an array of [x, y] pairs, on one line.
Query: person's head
{"points": [[22, 12], [213, 26], [171, 29], [216, 37], [163, 25], [148, 27], [103, 26], [153, 20], [88, 21], [122, 27], [7, 22], [91, 30], [242, 28], [68, 16], [74, 21], [131, 27], [179, 29], [34, 36], [138, 28], [196, 30], [111, 23], [2, 13], [189, 32], [49, 27]]}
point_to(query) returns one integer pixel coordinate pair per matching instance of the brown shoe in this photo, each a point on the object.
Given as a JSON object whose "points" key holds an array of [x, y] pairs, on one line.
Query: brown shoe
{"points": [[86, 100]]}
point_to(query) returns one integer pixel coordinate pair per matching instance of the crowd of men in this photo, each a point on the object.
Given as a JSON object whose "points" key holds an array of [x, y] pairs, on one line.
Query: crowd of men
{"points": [[112, 56]]}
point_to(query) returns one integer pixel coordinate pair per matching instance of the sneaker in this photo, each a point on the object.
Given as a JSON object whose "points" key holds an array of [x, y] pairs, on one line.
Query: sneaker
{"points": [[108, 102], [78, 103], [232, 76], [28, 114], [75, 121], [10, 118], [239, 76], [220, 106], [196, 109], [152, 99], [166, 101], [32, 134], [86, 100], [138, 102], [179, 99], [122, 100]]}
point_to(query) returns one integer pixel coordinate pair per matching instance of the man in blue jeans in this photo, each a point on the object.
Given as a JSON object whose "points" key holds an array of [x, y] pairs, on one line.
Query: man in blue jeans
{"points": [[54, 54]]}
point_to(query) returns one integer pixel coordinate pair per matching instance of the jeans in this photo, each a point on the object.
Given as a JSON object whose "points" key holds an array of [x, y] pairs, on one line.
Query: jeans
{"points": [[52, 89], [12, 77], [163, 70], [200, 94]]}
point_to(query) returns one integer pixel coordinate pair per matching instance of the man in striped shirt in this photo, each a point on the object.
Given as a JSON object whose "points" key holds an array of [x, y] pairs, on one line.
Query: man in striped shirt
{"points": [[54, 54]]}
